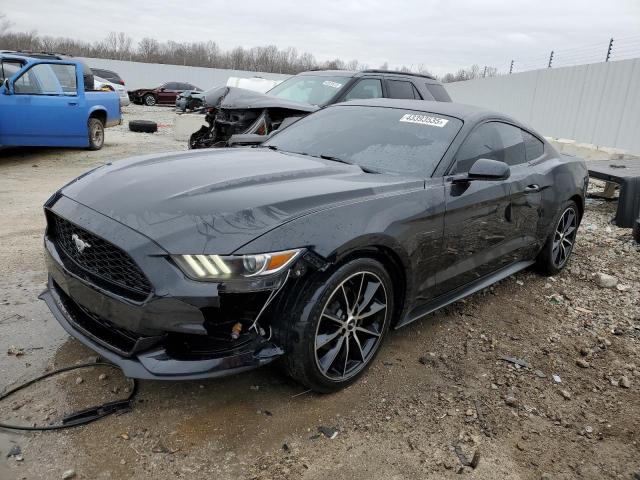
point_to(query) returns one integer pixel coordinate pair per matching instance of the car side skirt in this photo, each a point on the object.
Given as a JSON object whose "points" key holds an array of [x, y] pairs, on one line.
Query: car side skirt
{"points": [[462, 292]]}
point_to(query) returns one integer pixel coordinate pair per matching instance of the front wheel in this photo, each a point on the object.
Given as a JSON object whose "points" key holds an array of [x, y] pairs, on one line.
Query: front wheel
{"points": [[96, 133], [149, 100], [556, 251], [332, 341]]}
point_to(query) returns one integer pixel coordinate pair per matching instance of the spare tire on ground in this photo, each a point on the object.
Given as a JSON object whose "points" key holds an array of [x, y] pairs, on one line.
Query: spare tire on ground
{"points": [[145, 126]]}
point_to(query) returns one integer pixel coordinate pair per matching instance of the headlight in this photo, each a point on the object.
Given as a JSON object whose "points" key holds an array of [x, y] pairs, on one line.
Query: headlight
{"points": [[230, 267]]}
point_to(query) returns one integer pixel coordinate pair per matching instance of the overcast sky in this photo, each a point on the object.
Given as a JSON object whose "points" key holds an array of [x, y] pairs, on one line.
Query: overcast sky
{"points": [[440, 35]]}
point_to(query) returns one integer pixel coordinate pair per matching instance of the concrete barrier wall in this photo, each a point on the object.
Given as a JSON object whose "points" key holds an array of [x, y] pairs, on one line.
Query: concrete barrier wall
{"points": [[597, 104], [148, 75]]}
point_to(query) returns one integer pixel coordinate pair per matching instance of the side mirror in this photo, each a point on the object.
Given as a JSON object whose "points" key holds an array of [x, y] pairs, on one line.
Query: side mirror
{"points": [[161, 89], [485, 169], [5, 84]]}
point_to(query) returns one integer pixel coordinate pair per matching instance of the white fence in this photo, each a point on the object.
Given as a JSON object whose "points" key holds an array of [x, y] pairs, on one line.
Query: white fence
{"points": [[597, 104], [149, 75]]}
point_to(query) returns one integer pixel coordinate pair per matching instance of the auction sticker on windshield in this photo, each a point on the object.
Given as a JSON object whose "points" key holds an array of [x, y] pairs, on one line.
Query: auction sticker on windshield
{"points": [[424, 120], [331, 84]]}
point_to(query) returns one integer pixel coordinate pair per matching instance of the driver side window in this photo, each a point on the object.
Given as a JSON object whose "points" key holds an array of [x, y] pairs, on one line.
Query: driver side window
{"points": [[494, 141], [47, 79], [365, 88]]}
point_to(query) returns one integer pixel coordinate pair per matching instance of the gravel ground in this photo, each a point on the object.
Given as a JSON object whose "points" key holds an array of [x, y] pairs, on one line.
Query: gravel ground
{"points": [[440, 401]]}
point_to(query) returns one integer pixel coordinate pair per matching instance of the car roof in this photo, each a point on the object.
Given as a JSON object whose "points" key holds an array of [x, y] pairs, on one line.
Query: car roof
{"points": [[359, 73], [16, 56], [28, 59], [456, 110], [330, 73]]}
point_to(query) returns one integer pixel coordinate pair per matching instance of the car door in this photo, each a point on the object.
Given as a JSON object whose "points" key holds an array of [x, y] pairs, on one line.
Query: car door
{"points": [[529, 185], [167, 93], [44, 106], [526, 188], [477, 225]]}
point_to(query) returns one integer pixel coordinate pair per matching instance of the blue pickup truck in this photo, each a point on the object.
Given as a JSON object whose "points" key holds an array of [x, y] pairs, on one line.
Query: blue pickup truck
{"points": [[45, 103]]}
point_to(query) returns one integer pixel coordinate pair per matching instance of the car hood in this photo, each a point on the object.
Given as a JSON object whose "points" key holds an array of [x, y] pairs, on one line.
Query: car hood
{"points": [[216, 201], [239, 98]]}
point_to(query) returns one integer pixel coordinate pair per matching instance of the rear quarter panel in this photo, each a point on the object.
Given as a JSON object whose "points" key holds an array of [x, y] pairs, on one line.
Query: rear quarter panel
{"points": [[108, 102], [564, 177]]}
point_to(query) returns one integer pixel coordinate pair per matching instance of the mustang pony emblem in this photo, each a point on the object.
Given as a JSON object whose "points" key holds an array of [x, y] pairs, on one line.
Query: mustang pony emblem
{"points": [[79, 243]]}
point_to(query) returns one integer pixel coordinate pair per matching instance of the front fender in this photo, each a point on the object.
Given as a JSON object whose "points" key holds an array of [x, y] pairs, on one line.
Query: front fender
{"points": [[409, 224]]}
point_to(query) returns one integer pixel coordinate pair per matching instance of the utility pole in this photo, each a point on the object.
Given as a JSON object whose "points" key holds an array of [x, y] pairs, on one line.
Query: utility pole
{"points": [[609, 50], [484, 74], [511, 68], [550, 59]]}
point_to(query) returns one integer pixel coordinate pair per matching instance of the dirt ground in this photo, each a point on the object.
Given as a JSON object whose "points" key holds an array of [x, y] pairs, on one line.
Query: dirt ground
{"points": [[440, 395]]}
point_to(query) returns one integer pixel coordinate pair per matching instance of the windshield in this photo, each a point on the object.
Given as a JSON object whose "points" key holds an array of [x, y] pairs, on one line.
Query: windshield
{"points": [[379, 139], [314, 90]]}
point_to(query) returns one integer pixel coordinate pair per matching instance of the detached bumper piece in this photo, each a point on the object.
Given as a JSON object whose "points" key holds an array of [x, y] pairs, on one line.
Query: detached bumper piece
{"points": [[166, 357]]}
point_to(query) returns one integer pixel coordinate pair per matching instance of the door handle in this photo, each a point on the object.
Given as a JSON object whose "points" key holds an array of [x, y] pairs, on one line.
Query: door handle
{"points": [[73, 104], [532, 188]]}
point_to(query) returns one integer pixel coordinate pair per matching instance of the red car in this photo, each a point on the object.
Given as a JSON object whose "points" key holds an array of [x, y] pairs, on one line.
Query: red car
{"points": [[165, 94]]}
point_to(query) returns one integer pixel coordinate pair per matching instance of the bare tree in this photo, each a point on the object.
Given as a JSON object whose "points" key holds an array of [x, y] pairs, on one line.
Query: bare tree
{"points": [[474, 71], [118, 45], [5, 24]]}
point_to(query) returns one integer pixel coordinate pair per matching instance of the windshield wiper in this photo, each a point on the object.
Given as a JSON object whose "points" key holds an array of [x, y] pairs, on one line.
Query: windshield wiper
{"points": [[336, 159]]}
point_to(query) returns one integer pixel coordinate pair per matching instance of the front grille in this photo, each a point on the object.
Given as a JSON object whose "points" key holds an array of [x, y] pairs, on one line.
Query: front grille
{"points": [[99, 257]]}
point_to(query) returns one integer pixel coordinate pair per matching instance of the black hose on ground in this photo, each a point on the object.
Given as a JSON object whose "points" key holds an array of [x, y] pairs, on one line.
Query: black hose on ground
{"points": [[81, 417]]}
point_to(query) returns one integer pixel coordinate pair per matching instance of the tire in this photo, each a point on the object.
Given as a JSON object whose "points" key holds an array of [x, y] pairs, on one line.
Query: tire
{"points": [[550, 260], [149, 100], [145, 126], [95, 129], [326, 348]]}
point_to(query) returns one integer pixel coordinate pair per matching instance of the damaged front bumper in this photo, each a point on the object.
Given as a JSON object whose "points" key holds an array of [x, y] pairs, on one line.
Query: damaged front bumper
{"points": [[156, 363], [180, 330]]}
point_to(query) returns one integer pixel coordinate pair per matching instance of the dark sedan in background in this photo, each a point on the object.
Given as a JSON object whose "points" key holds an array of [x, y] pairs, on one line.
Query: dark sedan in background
{"points": [[362, 216], [165, 94], [109, 75]]}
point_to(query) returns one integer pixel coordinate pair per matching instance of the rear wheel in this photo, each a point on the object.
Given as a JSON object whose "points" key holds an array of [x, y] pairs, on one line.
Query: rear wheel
{"points": [[149, 100], [556, 251], [96, 133], [335, 338]]}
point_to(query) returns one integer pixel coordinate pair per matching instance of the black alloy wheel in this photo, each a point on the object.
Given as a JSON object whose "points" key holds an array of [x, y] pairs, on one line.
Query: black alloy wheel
{"points": [[351, 325], [556, 251], [564, 237], [334, 325]]}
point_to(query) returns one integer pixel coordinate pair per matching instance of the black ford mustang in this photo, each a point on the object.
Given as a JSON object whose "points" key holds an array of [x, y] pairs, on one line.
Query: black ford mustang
{"points": [[363, 216]]}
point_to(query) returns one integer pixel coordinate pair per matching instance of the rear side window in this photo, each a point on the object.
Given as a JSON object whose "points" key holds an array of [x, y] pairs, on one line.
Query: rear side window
{"points": [[492, 140], [439, 93], [401, 89], [365, 88], [533, 147]]}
